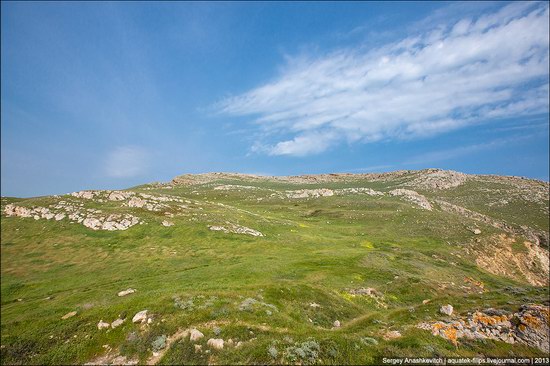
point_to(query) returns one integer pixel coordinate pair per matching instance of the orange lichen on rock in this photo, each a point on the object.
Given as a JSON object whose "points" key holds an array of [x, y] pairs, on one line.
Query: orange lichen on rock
{"points": [[531, 321], [450, 334]]}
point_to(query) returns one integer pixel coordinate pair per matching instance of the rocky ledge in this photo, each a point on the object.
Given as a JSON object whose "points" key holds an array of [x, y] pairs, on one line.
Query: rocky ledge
{"points": [[530, 326]]}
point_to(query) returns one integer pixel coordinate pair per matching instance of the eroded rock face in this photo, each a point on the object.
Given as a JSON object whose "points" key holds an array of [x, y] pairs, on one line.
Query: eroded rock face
{"points": [[530, 326], [498, 256]]}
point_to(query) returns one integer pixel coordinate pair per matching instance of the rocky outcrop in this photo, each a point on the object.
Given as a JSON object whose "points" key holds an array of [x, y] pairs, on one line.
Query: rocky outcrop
{"points": [[437, 179], [413, 197], [236, 229], [111, 222], [310, 193], [530, 326]]}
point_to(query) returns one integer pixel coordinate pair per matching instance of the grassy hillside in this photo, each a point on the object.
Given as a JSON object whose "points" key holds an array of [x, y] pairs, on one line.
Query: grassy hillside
{"points": [[279, 294]]}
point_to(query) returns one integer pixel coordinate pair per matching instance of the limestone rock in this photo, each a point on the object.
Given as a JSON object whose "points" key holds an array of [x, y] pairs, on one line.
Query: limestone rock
{"points": [[195, 335], [393, 334], [446, 309], [102, 325], [140, 317], [68, 315], [116, 323], [216, 343], [126, 292]]}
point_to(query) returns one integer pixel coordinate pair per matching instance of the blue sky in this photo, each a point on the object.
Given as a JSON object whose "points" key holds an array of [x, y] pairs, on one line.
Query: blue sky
{"points": [[111, 95]]}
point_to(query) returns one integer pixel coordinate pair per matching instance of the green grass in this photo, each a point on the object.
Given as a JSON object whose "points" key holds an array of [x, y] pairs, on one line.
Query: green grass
{"points": [[314, 250]]}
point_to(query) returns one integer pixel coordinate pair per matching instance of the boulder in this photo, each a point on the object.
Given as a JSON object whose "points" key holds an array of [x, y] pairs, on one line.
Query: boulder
{"points": [[195, 335], [116, 323], [216, 343], [102, 325], [140, 317], [446, 309]]}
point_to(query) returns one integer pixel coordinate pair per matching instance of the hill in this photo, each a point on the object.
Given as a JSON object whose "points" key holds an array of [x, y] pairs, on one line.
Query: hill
{"points": [[225, 268]]}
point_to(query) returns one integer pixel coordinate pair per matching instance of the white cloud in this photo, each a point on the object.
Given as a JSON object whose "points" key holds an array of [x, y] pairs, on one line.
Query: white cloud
{"points": [[451, 76], [127, 162]]}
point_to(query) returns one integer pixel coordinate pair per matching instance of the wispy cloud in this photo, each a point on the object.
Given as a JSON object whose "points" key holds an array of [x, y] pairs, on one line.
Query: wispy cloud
{"points": [[470, 71], [448, 154], [127, 162]]}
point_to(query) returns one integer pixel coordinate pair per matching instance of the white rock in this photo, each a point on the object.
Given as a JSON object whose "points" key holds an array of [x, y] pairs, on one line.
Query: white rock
{"points": [[92, 223], [140, 317], [66, 316], [116, 323], [446, 309], [102, 325], [167, 223], [336, 324], [195, 335], [126, 292], [136, 202], [476, 231], [216, 343], [59, 216]]}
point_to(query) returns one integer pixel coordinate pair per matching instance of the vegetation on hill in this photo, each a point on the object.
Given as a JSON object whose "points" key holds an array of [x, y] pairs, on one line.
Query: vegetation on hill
{"points": [[329, 269]]}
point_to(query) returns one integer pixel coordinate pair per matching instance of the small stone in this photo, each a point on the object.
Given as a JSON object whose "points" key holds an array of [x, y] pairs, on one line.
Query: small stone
{"points": [[336, 324], [195, 335], [198, 348], [167, 223], [446, 309], [102, 325], [239, 344], [68, 315], [116, 323], [140, 317], [314, 305], [150, 321], [391, 335], [476, 231], [216, 343], [424, 302], [126, 292]]}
